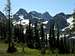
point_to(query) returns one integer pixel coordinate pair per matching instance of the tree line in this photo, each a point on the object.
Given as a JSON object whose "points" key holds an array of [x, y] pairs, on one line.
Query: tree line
{"points": [[34, 37]]}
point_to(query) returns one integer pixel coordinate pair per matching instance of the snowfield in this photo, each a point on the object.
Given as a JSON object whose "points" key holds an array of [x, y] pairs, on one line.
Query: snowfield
{"points": [[69, 20], [22, 22], [21, 17]]}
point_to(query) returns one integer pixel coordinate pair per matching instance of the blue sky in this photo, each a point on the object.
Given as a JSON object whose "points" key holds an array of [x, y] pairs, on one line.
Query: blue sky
{"points": [[52, 6]]}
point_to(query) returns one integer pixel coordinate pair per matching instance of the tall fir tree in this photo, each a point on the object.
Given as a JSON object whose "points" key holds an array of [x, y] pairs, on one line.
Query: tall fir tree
{"points": [[42, 35], [58, 35], [29, 36], [73, 28], [36, 36], [52, 39]]}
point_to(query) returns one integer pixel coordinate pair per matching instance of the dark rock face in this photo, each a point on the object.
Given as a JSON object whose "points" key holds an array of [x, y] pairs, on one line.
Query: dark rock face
{"points": [[46, 16], [61, 20]]}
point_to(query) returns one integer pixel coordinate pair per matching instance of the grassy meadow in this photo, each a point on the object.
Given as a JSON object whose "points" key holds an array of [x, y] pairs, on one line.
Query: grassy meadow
{"points": [[28, 51]]}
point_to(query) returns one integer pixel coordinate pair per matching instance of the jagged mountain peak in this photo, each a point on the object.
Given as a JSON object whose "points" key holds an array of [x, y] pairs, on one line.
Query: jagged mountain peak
{"points": [[63, 15], [21, 14], [60, 15], [46, 16], [21, 11], [46, 12], [34, 12]]}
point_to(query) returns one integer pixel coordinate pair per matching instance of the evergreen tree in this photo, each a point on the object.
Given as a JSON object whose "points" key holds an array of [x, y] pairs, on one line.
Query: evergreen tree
{"points": [[36, 36], [46, 40], [11, 47], [52, 39], [73, 28], [29, 36], [58, 34], [16, 33], [21, 37], [2, 30], [42, 39]]}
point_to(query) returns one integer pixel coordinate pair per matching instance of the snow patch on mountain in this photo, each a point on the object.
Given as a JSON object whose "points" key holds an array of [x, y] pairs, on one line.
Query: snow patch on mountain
{"points": [[70, 20], [45, 22], [22, 22], [21, 17]]}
